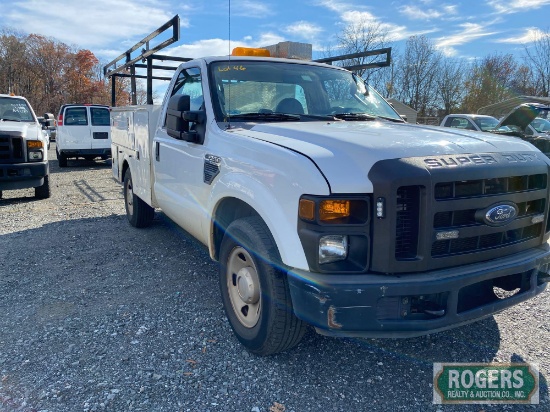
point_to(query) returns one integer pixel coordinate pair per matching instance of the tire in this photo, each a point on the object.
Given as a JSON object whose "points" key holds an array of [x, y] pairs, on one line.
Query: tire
{"points": [[255, 292], [43, 192], [62, 159], [139, 213]]}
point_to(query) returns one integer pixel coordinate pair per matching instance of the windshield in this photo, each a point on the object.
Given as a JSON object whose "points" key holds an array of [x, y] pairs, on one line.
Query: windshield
{"points": [[486, 123], [16, 110], [541, 125], [265, 90]]}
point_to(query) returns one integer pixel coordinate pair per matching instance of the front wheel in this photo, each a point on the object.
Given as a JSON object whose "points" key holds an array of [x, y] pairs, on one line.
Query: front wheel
{"points": [[43, 192], [139, 213], [255, 291]]}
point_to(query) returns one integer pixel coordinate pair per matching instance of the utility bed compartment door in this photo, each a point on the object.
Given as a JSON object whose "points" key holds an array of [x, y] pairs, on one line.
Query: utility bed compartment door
{"points": [[132, 132], [142, 172]]}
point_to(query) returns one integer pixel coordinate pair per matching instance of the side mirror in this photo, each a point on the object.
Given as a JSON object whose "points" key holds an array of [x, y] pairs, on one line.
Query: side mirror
{"points": [[181, 122], [48, 120]]}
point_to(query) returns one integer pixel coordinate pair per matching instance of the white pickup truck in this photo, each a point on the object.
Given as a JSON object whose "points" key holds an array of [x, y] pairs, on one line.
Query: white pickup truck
{"points": [[325, 208], [23, 147]]}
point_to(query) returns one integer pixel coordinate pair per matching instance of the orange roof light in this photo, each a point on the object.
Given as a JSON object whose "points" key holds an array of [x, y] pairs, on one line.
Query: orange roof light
{"points": [[249, 51]]}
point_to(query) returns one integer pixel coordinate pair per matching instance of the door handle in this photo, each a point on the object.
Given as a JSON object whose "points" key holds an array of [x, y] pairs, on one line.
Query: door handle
{"points": [[157, 151]]}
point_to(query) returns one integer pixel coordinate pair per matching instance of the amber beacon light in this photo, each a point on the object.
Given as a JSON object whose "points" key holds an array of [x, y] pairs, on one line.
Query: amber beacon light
{"points": [[249, 51]]}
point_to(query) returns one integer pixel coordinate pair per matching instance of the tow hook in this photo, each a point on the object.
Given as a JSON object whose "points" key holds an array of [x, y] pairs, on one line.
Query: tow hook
{"points": [[432, 308]]}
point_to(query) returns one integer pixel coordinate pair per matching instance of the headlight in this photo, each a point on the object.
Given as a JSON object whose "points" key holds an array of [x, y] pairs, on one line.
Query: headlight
{"points": [[334, 211], [335, 232], [35, 151], [35, 156], [34, 144], [333, 248]]}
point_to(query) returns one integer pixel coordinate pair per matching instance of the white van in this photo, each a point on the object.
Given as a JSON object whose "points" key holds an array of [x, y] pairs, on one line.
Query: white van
{"points": [[83, 130]]}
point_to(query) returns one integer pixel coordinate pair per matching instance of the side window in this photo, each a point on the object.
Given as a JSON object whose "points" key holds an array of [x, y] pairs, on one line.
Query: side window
{"points": [[76, 116], [448, 122], [470, 126], [458, 122], [189, 83], [100, 116]]}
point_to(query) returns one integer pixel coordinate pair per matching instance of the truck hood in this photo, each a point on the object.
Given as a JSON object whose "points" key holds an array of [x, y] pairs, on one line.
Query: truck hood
{"points": [[345, 151], [30, 130]]}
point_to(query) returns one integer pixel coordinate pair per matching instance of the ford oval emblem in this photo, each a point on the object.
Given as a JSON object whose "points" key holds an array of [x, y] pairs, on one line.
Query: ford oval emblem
{"points": [[500, 215]]}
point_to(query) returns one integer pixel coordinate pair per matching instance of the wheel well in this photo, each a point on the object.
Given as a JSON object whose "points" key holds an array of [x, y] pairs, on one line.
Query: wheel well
{"points": [[125, 167], [228, 210]]}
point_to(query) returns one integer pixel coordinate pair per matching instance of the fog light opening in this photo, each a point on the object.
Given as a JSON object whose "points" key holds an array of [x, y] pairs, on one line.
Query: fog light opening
{"points": [[503, 293], [544, 274]]}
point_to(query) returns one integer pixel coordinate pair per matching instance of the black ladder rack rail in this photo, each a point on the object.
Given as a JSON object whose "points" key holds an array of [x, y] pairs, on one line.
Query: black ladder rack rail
{"points": [[125, 65], [355, 67]]}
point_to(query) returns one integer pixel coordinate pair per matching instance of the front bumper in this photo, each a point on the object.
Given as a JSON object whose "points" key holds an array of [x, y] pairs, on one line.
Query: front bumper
{"points": [[408, 305], [22, 175]]}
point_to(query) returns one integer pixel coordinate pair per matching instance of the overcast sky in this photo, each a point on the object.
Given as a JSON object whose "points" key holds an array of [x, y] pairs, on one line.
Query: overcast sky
{"points": [[462, 29]]}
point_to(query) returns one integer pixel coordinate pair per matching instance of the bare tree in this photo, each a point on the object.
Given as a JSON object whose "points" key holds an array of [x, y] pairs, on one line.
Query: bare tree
{"points": [[12, 61], [360, 36], [450, 84], [47, 60], [524, 81], [418, 73], [489, 81], [537, 56]]}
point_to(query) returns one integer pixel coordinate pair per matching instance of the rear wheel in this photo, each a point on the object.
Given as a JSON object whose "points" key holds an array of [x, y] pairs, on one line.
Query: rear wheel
{"points": [[43, 192], [139, 213], [255, 290]]}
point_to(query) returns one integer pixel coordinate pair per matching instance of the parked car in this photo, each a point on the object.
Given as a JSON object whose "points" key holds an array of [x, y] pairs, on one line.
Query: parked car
{"points": [[477, 122], [538, 127], [523, 122], [83, 130]]}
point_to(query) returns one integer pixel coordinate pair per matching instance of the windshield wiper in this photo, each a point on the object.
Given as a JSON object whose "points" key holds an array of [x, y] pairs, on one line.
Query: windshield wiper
{"points": [[319, 117], [391, 119], [264, 116], [354, 116], [11, 120]]}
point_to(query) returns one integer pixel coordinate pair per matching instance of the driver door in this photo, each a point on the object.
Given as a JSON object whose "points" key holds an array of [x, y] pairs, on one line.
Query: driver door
{"points": [[179, 187]]}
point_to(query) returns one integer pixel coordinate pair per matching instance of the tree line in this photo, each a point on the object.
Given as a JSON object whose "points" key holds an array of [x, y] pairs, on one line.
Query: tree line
{"points": [[50, 73], [422, 77]]}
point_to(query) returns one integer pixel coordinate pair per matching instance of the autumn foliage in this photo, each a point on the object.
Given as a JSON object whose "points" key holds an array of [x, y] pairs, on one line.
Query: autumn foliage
{"points": [[49, 73]]}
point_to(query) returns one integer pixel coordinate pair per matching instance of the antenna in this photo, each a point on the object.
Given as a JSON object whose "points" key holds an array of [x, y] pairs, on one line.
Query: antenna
{"points": [[228, 111]]}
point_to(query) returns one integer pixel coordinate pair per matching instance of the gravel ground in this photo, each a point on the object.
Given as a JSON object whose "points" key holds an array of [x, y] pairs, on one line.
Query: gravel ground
{"points": [[99, 316]]}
